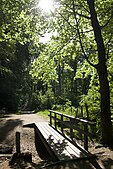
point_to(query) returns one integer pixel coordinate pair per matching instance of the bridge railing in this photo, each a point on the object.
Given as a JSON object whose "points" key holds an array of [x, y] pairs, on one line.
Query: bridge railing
{"points": [[71, 126]]}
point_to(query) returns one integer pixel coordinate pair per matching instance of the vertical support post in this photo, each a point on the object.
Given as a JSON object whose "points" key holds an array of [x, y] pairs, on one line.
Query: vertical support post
{"points": [[81, 111], [71, 128], [62, 124], [77, 113], [87, 111], [85, 137], [55, 121], [17, 142], [50, 118]]}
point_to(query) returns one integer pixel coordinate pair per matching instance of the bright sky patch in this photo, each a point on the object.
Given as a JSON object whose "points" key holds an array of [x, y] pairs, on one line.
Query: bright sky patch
{"points": [[46, 5]]}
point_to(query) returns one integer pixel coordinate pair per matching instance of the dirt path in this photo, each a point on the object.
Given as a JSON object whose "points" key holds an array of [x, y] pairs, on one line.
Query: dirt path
{"points": [[9, 124], [12, 123]]}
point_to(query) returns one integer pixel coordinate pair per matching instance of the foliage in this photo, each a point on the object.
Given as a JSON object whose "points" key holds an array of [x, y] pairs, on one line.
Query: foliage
{"points": [[16, 33], [80, 51], [13, 74], [42, 100]]}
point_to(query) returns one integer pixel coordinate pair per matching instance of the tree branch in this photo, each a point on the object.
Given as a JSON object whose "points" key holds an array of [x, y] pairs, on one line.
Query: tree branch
{"points": [[63, 46], [87, 17], [82, 48], [66, 20], [86, 31], [107, 21]]}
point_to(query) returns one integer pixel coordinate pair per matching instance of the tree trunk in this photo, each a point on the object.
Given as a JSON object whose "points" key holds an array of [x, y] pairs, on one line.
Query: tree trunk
{"points": [[106, 125], [105, 105]]}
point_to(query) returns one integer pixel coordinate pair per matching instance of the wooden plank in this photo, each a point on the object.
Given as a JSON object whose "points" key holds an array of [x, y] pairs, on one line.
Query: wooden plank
{"points": [[86, 121], [6, 155], [49, 134], [73, 147], [65, 115], [72, 117], [61, 146], [56, 135], [55, 145], [46, 145], [57, 142]]}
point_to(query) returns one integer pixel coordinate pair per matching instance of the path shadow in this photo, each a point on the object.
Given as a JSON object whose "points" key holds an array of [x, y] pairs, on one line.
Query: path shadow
{"points": [[79, 164], [4, 116], [63, 165], [107, 163], [8, 127], [19, 164]]}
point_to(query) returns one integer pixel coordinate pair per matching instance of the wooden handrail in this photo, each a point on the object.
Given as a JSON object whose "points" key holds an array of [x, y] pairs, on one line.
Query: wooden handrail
{"points": [[65, 115], [79, 119], [59, 119]]}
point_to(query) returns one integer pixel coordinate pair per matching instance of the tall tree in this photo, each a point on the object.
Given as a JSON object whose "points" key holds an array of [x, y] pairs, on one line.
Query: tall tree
{"points": [[101, 68], [103, 75]]}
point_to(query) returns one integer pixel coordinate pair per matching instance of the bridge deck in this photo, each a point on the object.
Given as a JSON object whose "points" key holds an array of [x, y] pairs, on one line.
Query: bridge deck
{"points": [[58, 147]]}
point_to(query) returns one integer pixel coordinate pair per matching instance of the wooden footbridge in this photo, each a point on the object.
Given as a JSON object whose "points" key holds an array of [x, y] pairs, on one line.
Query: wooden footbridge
{"points": [[55, 140]]}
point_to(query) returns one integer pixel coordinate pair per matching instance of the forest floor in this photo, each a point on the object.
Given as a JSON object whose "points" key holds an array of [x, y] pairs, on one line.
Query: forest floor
{"points": [[10, 124]]}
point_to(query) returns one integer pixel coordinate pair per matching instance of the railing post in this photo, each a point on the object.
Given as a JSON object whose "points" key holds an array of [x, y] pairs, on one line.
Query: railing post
{"points": [[50, 118], [85, 137], [71, 128], [57, 117], [17, 142], [55, 121], [62, 124]]}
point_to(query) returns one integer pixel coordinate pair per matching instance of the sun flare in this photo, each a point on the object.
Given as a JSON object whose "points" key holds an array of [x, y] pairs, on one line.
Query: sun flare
{"points": [[46, 5]]}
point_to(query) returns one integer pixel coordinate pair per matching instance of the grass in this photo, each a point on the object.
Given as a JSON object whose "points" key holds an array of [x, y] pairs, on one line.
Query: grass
{"points": [[44, 113]]}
